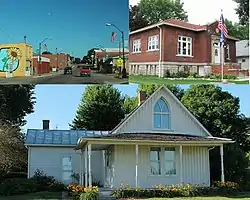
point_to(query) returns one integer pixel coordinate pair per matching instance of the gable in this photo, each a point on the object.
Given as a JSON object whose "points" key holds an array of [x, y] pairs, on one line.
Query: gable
{"points": [[181, 120]]}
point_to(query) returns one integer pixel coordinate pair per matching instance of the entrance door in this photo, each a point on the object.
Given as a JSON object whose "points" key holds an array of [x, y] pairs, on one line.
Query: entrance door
{"points": [[216, 53], [108, 169]]}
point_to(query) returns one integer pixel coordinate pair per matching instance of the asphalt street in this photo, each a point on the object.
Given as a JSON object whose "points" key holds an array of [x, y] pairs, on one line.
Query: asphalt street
{"points": [[60, 78]]}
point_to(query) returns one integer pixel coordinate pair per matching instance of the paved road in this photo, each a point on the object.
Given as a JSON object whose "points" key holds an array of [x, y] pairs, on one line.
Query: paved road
{"points": [[60, 78]]}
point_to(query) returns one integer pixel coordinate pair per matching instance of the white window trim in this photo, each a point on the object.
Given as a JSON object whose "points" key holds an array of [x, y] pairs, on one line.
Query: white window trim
{"points": [[169, 113], [180, 39], [155, 39], [136, 46], [162, 162]]}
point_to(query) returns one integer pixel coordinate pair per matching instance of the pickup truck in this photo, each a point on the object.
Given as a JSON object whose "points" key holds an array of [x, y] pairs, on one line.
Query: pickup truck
{"points": [[85, 71]]}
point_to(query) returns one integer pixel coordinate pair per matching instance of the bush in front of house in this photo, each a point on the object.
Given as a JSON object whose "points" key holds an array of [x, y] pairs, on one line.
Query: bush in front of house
{"points": [[179, 190], [39, 182], [79, 192]]}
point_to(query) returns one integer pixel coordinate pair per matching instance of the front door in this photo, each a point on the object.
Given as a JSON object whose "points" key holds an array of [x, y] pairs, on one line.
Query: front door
{"points": [[108, 169], [216, 53]]}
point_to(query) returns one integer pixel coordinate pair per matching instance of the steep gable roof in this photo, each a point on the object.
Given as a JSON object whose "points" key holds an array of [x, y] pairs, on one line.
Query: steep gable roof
{"points": [[128, 117]]}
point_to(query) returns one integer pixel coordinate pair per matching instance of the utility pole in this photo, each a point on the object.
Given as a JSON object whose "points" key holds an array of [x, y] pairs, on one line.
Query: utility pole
{"points": [[56, 59]]}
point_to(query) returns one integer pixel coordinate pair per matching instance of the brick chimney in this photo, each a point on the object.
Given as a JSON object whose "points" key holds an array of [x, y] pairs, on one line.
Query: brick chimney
{"points": [[46, 124], [141, 97]]}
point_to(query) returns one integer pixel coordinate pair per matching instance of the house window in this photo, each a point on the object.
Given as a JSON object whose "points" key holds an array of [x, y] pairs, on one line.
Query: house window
{"points": [[216, 52], [136, 46], [228, 52], [243, 60], [153, 43], [155, 163], [170, 163], [67, 169], [184, 46], [161, 115]]}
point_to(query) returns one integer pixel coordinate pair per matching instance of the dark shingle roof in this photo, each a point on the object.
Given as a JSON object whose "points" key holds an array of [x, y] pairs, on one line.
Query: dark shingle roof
{"points": [[160, 137]]}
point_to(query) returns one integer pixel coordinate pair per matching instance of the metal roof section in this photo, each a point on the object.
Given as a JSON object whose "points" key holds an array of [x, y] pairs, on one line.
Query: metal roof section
{"points": [[242, 48], [59, 137]]}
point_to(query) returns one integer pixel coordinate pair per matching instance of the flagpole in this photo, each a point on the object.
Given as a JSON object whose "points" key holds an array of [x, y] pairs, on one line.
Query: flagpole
{"points": [[222, 61]]}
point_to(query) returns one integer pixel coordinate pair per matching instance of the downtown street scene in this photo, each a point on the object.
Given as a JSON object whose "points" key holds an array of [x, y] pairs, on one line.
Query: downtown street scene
{"points": [[95, 53]]}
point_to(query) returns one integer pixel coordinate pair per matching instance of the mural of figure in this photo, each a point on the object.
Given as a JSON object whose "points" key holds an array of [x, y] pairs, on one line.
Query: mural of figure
{"points": [[9, 56]]}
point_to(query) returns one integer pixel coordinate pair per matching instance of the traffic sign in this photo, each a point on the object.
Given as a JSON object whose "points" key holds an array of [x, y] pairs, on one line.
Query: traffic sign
{"points": [[119, 62]]}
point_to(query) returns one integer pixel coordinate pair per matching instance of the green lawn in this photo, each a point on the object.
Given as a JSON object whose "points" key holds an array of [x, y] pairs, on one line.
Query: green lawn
{"points": [[35, 196], [157, 80]]}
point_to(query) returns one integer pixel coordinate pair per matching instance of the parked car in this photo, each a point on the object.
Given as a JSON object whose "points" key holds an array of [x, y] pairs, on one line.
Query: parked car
{"points": [[67, 70], [85, 71]]}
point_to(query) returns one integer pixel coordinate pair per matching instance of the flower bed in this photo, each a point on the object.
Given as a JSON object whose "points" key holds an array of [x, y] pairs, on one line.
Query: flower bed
{"points": [[79, 192], [176, 191]]}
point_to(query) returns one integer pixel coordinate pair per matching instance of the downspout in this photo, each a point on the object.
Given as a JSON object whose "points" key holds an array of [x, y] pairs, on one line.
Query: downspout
{"points": [[160, 50]]}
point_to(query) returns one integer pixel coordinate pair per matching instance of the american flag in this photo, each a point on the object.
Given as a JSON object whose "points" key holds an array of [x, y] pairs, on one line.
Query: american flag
{"points": [[113, 36], [223, 28]]}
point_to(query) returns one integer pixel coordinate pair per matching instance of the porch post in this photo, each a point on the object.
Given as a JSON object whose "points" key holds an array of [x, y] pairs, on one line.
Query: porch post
{"points": [[104, 167], [181, 168], [222, 163], [90, 175], [136, 165], [86, 166], [80, 174]]}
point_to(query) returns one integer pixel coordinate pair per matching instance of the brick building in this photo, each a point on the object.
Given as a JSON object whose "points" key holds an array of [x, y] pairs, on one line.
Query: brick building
{"points": [[174, 45], [62, 60], [43, 68]]}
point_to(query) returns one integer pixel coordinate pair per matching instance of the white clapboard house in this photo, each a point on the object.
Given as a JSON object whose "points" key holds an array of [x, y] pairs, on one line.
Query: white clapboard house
{"points": [[160, 142]]}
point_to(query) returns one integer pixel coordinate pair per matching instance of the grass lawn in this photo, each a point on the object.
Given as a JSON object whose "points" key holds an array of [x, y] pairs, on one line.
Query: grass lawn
{"points": [[157, 80], [241, 196], [35, 196]]}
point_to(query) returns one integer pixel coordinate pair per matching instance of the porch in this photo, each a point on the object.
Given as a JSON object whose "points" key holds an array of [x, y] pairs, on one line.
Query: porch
{"points": [[141, 159]]}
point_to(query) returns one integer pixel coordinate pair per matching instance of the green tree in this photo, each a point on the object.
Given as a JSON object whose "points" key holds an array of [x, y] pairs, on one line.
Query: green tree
{"points": [[242, 11], [237, 30], [219, 112], [150, 89], [154, 10], [13, 156], [136, 18], [100, 109], [16, 102], [130, 103]]}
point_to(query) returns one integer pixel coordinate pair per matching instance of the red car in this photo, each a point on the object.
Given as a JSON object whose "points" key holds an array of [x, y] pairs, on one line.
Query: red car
{"points": [[85, 71]]}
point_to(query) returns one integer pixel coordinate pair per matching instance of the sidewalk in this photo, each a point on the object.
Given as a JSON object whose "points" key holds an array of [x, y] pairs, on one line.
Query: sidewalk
{"points": [[48, 74]]}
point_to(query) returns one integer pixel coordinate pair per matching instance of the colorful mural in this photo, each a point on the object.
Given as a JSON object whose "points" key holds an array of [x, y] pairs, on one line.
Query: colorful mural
{"points": [[9, 57]]}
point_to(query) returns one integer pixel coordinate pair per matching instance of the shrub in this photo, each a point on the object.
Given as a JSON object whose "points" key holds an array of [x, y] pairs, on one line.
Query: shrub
{"points": [[17, 186], [230, 77], [11, 175], [79, 192], [176, 191]]}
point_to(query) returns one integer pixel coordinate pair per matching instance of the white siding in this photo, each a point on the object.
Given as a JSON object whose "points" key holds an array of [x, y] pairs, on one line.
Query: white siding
{"points": [[48, 159], [195, 167], [181, 122]]}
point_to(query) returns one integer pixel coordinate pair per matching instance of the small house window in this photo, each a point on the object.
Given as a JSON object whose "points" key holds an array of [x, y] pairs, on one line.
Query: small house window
{"points": [[136, 46], [170, 163], [184, 46], [216, 52], [161, 115], [153, 43], [243, 60], [67, 169], [155, 162], [228, 52]]}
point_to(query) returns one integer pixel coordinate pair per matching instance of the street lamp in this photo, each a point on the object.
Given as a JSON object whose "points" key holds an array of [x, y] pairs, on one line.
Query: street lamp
{"points": [[124, 73], [40, 47], [57, 52]]}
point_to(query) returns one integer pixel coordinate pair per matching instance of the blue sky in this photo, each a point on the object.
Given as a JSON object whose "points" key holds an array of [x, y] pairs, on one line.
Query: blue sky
{"points": [[59, 103], [75, 25]]}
